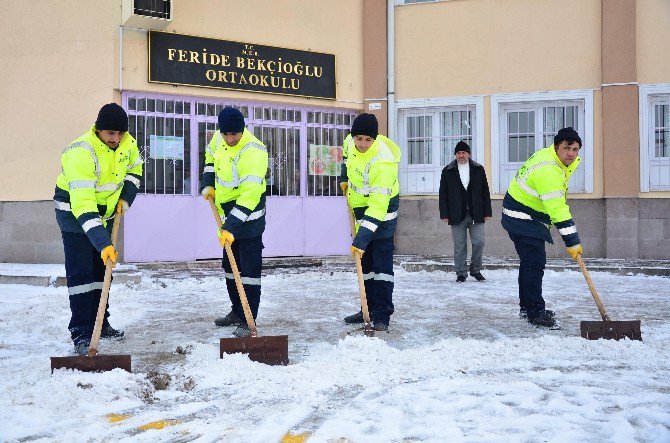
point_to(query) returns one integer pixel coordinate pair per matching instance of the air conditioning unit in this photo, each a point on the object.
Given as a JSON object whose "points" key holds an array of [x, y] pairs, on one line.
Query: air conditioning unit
{"points": [[146, 14]]}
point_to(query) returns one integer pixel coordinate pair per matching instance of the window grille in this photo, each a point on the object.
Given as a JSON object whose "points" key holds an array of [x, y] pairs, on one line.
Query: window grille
{"points": [[162, 129], [152, 8], [303, 146]]}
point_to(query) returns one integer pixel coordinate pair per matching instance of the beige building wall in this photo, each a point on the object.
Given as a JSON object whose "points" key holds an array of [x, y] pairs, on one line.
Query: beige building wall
{"points": [[652, 42], [57, 65], [464, 47], [318, 26], [59, 62]]}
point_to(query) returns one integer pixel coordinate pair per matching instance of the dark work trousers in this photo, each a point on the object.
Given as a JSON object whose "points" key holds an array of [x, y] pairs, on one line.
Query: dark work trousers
{"points": [[248, 253], [377, 264], [532, 260], [85, 273]]}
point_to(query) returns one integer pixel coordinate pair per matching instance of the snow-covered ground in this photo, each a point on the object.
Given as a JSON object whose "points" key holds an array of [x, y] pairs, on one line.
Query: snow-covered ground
{"points": [[460, 365]]}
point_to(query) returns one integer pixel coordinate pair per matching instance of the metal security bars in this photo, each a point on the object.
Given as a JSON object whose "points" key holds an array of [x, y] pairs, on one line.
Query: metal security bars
{"points": [[163, 132], [326, 132], [152, 8], [304, 145]]}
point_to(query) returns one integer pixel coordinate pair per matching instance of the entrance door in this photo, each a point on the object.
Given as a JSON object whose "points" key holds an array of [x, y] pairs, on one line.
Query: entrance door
{"points": [[306, 213]]}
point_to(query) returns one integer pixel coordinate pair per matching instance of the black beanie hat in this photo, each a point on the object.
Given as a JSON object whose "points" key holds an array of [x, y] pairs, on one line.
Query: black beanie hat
{"points": [[112, 117], [365, 124], [231, 120], [462, 146], [567, 134]]}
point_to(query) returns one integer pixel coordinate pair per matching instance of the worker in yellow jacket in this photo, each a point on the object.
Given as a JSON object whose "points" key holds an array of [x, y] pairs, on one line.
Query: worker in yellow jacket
{"points": [[370, 182], [236, 164], [101, 172], [536, 199]]}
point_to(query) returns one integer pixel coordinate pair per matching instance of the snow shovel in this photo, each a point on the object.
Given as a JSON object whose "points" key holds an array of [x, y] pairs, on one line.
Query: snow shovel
{"points": [[367, 325], [271, 350], [608, 328], [94, 362]]}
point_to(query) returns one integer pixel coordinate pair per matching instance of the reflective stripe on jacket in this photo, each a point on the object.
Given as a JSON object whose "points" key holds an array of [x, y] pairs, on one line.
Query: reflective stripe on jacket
{"points": [[373, 191], [536, 198], [92, 180], [238, 175]]}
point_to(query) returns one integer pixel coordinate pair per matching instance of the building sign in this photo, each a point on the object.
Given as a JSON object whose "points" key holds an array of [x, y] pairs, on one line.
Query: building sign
{"points": [[166, 147], [198, 61], [325, 160]]}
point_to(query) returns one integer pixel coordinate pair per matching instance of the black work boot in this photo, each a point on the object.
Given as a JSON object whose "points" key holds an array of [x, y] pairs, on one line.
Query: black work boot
{"points": [[523, 313], [461, 278], [379, 326], [542, 318], [229, 320], [353, 319], [109, 332], [478, 276]]}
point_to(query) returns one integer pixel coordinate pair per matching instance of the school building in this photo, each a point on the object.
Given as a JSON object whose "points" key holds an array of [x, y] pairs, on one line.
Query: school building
{"points": [[503, 75]]}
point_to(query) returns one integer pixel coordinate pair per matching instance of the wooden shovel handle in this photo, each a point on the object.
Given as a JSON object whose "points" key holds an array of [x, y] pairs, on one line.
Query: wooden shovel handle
{"points": [[107, 282], [359, 271], [594, 293], [236, 274]]}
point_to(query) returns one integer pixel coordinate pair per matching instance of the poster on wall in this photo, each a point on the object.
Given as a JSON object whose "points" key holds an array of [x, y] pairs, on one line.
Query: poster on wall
{"points": [[164, 147], [325, 160]]}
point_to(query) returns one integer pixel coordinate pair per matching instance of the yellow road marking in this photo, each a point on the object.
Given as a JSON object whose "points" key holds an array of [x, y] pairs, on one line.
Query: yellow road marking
{"points": [[160, 424], [297, 438], [115, 418]]}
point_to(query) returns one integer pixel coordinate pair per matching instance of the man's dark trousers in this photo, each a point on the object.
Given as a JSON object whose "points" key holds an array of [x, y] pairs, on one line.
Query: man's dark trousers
{"points": [[85, 274], [532, 261], [248, 253], [377, 264]]}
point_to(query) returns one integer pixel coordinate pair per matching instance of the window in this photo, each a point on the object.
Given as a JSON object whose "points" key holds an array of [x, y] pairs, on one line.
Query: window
{"points": [[304, 146], [428, 136], [525, 123], [162, 129], [326, 132], [655, 138]]}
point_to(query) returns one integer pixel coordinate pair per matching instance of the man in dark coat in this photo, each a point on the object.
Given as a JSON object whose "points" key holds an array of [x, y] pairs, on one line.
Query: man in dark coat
{"points": [[465, 203]]}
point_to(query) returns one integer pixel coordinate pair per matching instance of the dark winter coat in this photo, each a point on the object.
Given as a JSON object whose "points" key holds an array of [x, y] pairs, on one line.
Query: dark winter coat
{"points": [[456, 202]]}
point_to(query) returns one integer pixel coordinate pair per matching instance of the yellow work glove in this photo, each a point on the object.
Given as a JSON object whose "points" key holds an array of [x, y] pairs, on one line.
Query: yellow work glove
{"points": [[574, 251], [225, 237], [109, 253], [122, 207], [355, 250], [208, 191], [344, 186]]}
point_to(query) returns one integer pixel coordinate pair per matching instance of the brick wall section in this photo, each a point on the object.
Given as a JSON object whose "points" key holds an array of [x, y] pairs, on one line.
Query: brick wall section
{"points": [[29, 233], [420, 231], [608, 228], [654, 228]]}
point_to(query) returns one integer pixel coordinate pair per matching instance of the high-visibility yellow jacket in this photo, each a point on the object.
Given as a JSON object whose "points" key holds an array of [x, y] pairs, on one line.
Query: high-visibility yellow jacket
{"points": [[238, 176], [93, 179], [373, 191], [536, 198]]}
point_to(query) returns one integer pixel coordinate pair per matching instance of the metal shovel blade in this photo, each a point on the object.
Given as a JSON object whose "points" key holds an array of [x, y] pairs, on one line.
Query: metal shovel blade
{"points": [[97, 363], [270, 350], [611, 330]]}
